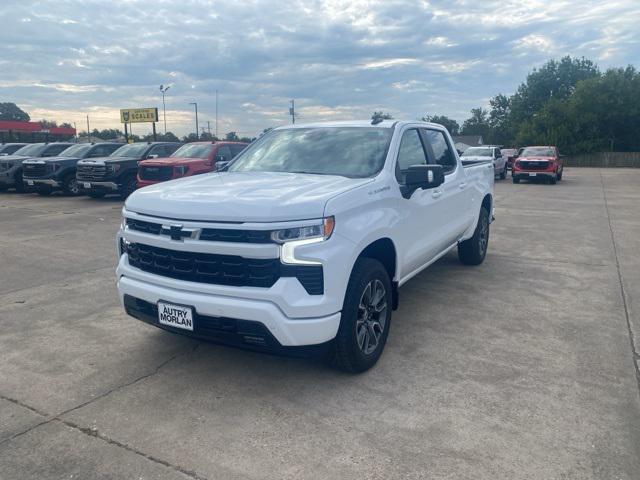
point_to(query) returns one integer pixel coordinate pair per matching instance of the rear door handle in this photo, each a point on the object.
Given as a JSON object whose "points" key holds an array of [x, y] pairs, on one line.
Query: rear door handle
{"points": [[436, 193], [462, 185]]}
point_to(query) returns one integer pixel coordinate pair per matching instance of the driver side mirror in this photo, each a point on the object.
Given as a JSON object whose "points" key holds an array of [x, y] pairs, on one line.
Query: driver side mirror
{"points": [[220, 158], [424, 177], [152, 155]]}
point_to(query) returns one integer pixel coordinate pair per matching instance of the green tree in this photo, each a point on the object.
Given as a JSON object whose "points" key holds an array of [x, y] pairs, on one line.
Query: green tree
{"points": [[10, 111], [555, 79], [477, 124], [379, 116], [231, 137], [449, 123], [48, 123]]}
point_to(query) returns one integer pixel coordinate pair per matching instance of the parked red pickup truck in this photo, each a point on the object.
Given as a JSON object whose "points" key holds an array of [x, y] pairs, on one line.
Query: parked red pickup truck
{"points": [[538, 162], [190, 159]]}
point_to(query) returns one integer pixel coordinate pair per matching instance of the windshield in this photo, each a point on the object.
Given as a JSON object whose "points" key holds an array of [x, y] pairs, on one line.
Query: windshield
{"points": [[30, 150], [76, 150], [478, 152], [538, 152], [345, 151], [193, 150], [131, 150]]}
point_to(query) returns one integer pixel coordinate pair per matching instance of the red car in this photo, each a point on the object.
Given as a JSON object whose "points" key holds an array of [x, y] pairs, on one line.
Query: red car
{"points": [[538, 162], [510, 154], [190, 159]]}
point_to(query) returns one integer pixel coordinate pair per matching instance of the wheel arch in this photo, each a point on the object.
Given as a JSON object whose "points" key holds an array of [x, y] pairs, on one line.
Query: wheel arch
{"points": [[384, 250]]}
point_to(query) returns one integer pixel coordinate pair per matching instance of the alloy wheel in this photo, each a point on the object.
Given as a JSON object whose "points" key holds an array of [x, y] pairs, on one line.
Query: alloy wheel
{"points": [[372, 316]]}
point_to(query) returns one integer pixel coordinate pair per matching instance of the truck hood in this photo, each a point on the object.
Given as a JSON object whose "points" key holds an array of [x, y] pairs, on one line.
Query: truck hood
{"points": [[53, 160], [101, 160], [173, 161], [476, 158], [242, 196], [536, 159], [14, 159]]}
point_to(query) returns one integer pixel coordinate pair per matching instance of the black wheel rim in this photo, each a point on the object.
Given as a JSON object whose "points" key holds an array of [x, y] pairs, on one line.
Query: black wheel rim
{"points": [[72, 186], [372, 316], [483, 237]]}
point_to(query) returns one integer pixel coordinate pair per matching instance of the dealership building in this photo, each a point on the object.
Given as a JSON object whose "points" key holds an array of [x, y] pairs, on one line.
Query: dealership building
{"points": [[12, 131]]}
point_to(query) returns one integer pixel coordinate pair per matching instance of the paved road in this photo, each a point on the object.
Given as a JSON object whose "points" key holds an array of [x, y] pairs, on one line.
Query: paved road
{"points": [[520, 368]]}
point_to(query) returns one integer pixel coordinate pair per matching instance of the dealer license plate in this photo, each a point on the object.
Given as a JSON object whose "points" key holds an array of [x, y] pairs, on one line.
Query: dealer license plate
{"points": [[177, 316], [86, 185], [533, 174], [30, 182]]}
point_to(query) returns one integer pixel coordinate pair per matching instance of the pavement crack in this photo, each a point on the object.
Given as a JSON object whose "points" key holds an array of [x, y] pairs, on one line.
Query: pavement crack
{"points": [[51, 418], [623, 293], [92, 432], [24, 405], [132, 382]]}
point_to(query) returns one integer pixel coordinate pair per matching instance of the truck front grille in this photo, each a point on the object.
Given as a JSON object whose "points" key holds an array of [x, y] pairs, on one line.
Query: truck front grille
{"points": [[33, 170], [222, 269], [91, 172], [208, 234], [533, 165], [149, 172]]}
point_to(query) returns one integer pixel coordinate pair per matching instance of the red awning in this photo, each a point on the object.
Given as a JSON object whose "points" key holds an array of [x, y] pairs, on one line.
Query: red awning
{"points": [[34, 127]]}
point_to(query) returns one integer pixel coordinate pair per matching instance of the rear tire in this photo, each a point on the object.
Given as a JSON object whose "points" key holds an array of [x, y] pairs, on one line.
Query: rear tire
{"points": [[19, 184], [503, 174], [473, 251], [70, 185], [366, 318], [96, 194], [560, 175]]}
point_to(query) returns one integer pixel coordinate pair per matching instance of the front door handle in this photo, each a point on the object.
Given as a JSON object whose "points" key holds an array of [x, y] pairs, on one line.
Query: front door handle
{"points": [[462, 185], [436, 193]]}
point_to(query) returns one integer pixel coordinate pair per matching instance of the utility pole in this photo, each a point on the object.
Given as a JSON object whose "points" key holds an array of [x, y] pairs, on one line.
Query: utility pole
{"points": [[216, 113], [164, 89], [88, 131], [76, 129], [292, 111], [209, 127], [195, 104]]}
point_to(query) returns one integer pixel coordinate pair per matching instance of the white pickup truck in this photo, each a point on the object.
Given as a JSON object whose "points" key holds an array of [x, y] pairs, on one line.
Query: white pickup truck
{"points": [[302, 243]]}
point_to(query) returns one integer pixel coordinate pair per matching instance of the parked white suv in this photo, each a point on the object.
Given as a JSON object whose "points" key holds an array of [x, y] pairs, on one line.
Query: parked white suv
{"points": [[302, 244]]}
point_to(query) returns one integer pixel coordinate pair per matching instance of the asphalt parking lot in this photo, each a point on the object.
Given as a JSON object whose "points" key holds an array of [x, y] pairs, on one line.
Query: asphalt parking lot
{"points": [[523, 367]]}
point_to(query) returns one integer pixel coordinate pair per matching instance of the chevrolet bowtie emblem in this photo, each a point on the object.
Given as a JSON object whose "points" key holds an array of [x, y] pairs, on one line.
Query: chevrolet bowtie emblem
{"points": [[177, 232]]}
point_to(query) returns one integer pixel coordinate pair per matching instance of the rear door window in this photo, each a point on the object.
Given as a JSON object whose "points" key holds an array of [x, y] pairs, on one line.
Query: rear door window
{"points": [[442, 152], [236, 149], [53, 150], [223, 153]]}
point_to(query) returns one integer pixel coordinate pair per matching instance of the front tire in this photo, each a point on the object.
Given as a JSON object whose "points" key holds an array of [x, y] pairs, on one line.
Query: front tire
{"points": [[128, 186], [93, 194], [44, 190], [366, 318], [516, 179], [19, 184], [473, 251], [70, 185], [503, 174]]}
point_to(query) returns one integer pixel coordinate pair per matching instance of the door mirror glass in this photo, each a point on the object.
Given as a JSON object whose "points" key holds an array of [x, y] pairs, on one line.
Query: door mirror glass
{"points": [[424, 177], [152, 155]]}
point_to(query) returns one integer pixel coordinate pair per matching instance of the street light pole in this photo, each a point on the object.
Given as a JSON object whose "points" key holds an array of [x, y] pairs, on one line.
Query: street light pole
{"points": [[216, 113], [195, 104], [164, 89]]}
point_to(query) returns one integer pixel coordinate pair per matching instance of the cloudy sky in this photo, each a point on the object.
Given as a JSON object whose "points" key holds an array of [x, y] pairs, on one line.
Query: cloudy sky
{"points": [[64, 59]]}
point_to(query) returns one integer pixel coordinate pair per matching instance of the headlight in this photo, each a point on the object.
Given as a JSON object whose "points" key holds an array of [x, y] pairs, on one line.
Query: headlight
{"points": [[321, 230], [181, 170], [113, 167], [291, 238]]}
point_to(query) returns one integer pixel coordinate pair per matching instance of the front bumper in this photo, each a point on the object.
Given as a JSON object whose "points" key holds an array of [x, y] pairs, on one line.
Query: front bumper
{"points": [[101, 186], [533, 175], [7, 177], [231, 320], [41, 181]]}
